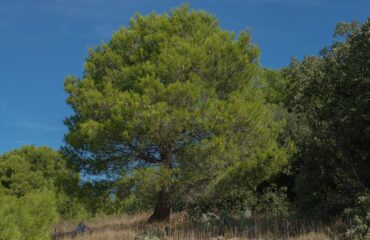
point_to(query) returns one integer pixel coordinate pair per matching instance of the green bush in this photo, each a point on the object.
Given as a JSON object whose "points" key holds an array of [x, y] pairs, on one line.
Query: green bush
{"points": [[139, 191], [71, 207], [29, 217], [29, 169], [360, 218], [273, 202], [231, 200]]}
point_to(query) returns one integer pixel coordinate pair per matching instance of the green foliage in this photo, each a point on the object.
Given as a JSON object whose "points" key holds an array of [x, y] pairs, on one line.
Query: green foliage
{"points": [[30, 169], [29, 217], [177, 94], [139, 191], [273, 85], [273, 202], [97, 198], [329, 97], [71, 206], [234, 201], [360, 218]]}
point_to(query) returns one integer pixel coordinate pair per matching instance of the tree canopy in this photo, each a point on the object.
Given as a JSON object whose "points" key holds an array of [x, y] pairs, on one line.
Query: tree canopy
{"points": [[330, 96], [174, 92], [30, 168]]}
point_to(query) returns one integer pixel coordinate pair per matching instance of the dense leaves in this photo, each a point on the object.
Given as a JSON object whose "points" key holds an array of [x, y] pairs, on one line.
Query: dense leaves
{"points": [[330, 96], [173, 92], [36, 188], [29, 169], [29, 217]]}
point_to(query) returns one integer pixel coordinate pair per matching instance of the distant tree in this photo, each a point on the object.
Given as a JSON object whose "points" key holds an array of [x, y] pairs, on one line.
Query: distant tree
{"points": [[329, 95], [30, 169], [174, 94], [273, 85]]}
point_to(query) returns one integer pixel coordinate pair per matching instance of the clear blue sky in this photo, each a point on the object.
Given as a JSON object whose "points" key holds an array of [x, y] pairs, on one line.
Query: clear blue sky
{"points": [[42, 41]]}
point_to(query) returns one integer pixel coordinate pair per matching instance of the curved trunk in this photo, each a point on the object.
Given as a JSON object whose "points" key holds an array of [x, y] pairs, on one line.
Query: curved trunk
{"points": [[162, 208]]}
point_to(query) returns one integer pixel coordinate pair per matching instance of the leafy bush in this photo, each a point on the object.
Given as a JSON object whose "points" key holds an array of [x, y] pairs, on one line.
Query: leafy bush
{"points": [[329, 95], [139, 191], [360, 218], [232, 200], [71, 207], [29, 217], [273, 202], [31, 168]]}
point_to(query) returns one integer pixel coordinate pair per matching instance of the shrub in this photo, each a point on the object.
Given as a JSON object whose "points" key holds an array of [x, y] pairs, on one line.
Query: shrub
{"points": [[139, 191], [360, 218], [232, 200], [29, 169], [29, 217], [273, 202]]}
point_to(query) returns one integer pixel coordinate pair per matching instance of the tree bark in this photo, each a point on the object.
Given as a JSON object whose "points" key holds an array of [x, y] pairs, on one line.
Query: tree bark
{"points": [[162, 208]]}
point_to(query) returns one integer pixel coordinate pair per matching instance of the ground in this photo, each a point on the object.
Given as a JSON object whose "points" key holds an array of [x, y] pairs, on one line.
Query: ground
{"points": [[180, 227]]}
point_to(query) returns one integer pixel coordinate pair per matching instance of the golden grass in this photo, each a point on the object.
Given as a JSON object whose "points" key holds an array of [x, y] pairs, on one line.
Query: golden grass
{"points": [[127, 227], [108, 235]]}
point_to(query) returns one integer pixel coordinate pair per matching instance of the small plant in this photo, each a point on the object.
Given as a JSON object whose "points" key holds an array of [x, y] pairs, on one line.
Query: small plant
{"points": [[273, 202], [360, 218]]}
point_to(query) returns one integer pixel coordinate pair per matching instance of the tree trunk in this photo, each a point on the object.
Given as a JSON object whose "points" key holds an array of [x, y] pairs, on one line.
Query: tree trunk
{"points": [[162, 209]]}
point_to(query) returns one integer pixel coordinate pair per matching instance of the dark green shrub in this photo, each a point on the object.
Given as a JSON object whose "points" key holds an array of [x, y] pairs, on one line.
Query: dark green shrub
{"points": [[273, 202], [360, 218]]}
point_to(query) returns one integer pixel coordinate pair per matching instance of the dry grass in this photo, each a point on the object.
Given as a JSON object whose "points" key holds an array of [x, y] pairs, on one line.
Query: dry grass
{"points": [[127, 227], [310, 236], [108, 235]]}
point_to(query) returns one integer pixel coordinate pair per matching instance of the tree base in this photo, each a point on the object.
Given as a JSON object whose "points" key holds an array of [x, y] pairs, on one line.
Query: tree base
{"points": [[162, 210], [159, 218]]}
